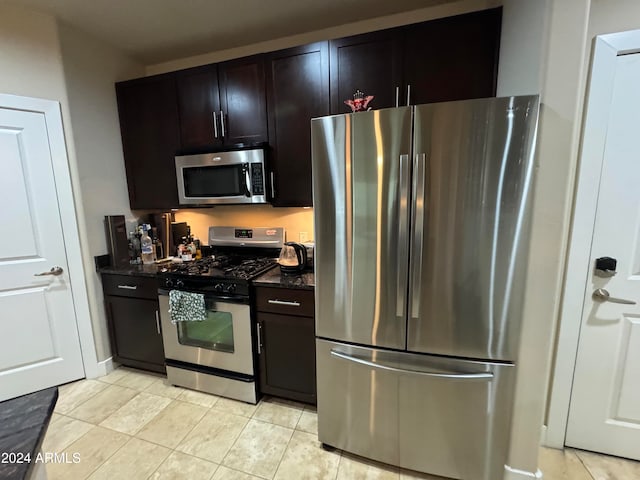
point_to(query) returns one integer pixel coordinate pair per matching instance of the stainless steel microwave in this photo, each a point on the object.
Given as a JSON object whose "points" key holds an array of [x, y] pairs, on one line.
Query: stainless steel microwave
{"points": [[223, 177]]}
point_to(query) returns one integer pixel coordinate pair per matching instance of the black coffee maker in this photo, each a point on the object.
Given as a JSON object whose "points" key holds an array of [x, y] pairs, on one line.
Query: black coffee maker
{"points": [[293, 258]]}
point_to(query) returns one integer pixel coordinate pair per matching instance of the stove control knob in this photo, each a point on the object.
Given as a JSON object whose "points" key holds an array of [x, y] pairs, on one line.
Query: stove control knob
{"points": [[168, 282], [231, 288], [218, 287], [179, 283]]}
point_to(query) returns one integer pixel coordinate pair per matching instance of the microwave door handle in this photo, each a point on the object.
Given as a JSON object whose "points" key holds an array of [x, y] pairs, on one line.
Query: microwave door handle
{"points": [[247, 178]]}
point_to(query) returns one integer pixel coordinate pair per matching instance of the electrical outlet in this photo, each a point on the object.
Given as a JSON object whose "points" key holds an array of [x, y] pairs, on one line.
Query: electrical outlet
{"points": [[303, 237]]}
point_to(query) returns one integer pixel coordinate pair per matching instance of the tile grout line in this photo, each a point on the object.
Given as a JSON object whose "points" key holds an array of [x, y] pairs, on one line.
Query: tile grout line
{"points": [[285, 450], [234, 443], [81, 403], [105, 460], [137, 392], [588, 470], [242, 431], [187, 434]]}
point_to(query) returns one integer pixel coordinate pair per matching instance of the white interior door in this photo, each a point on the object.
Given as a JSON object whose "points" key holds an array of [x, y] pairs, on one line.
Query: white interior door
{"points": [[604, 414], [39, 342]]}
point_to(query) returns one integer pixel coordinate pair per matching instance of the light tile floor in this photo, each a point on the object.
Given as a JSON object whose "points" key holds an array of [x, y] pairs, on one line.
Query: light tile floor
{"points": [[134, 425]]}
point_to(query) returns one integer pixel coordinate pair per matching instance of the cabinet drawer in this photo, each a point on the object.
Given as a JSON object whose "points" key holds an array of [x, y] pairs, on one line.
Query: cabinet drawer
{"points": [[283, 300], [130, 286]]}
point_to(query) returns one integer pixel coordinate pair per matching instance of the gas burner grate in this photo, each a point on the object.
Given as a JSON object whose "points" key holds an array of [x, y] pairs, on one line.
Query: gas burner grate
{"points": [[231, 266], [249, 268]]}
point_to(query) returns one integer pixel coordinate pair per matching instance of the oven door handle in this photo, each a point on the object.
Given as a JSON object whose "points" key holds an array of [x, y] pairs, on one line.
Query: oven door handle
{"points": [[214, 297]]}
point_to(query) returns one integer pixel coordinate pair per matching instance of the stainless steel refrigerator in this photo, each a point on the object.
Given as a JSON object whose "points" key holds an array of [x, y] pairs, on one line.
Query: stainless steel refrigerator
{"points": [[422, 218]]}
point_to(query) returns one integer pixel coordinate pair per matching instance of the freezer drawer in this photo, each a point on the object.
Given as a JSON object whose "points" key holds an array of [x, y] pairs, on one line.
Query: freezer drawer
{"points": [[432, 414]]}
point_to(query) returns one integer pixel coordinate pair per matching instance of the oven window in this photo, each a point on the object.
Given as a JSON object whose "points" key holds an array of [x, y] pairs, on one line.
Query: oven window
{"points": [[218, 181], [214, 333]]}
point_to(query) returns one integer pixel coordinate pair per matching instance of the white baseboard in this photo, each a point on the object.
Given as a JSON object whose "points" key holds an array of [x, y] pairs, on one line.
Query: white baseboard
{"points": [[515, 474], [104, 367]]}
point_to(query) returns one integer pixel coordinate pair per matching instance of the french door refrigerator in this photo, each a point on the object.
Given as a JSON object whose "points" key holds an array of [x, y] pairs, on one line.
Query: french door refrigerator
{"points": [[422, 218]]}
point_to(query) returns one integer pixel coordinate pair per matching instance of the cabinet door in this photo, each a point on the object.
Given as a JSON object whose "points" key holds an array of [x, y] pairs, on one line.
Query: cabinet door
{"points": [[243, 100], [136, 339], [297, 91], [199, 103], [370, 63], [453, 58], [150, 138], [287, 357]]}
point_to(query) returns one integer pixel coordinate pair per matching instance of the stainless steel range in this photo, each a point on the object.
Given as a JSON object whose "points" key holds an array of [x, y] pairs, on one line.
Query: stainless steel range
{"points": [[217, 355]]}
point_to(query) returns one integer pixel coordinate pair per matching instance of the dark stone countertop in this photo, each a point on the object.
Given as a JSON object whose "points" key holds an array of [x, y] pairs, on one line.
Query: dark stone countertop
{"points": [[23, 424], [133, 270], [274, 278]]}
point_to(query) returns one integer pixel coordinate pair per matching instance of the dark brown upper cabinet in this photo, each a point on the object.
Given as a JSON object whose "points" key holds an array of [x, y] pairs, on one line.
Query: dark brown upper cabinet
{"points": [[272, 97], [223, 104], [297, 91], [199, 105], [243, 100], [371, 63], [149, 125], [453, 58]]}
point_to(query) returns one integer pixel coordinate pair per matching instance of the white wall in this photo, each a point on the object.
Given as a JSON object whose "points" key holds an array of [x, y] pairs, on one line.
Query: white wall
{"points": [[42, 59], [610, 16], [30, 58], [543, 49], [522, 47], [91, 69]]}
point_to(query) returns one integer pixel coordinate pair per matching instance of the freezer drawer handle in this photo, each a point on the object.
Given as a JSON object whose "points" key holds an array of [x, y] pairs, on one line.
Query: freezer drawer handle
{"points": [[382, 366], [284, 302]]}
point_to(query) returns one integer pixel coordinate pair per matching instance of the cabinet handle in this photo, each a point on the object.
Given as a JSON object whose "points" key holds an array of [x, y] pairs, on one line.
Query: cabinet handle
{"points": [[259, 332], [408, 95], [128, 287], [397, 96], [273, 185], [158, 322], [284, 302], [222, 123], [215, 124]]}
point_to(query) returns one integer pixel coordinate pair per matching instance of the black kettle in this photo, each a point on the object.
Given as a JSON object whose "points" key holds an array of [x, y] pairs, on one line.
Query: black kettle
{"points": [[293, 258]]}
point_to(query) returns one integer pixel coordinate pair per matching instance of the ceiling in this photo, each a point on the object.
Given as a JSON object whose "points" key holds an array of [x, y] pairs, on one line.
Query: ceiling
{"points": [[154, 31]]}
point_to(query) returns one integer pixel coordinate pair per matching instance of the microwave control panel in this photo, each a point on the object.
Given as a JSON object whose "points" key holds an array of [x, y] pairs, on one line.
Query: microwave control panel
{"points": [[257, 179]]}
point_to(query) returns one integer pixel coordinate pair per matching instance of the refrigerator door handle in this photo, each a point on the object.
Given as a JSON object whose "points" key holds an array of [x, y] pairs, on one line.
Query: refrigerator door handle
{"points": [[403, 228], [486, 376], [419, 169]]}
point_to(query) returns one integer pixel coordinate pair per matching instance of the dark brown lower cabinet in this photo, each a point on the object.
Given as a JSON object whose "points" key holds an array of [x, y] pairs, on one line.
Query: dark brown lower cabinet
{"points": [[134, 323], [287, 356]]}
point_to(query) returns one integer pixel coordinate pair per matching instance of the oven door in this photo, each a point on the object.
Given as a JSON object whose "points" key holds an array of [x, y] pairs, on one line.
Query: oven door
{"points": [[225, 177], [222, 341]]}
